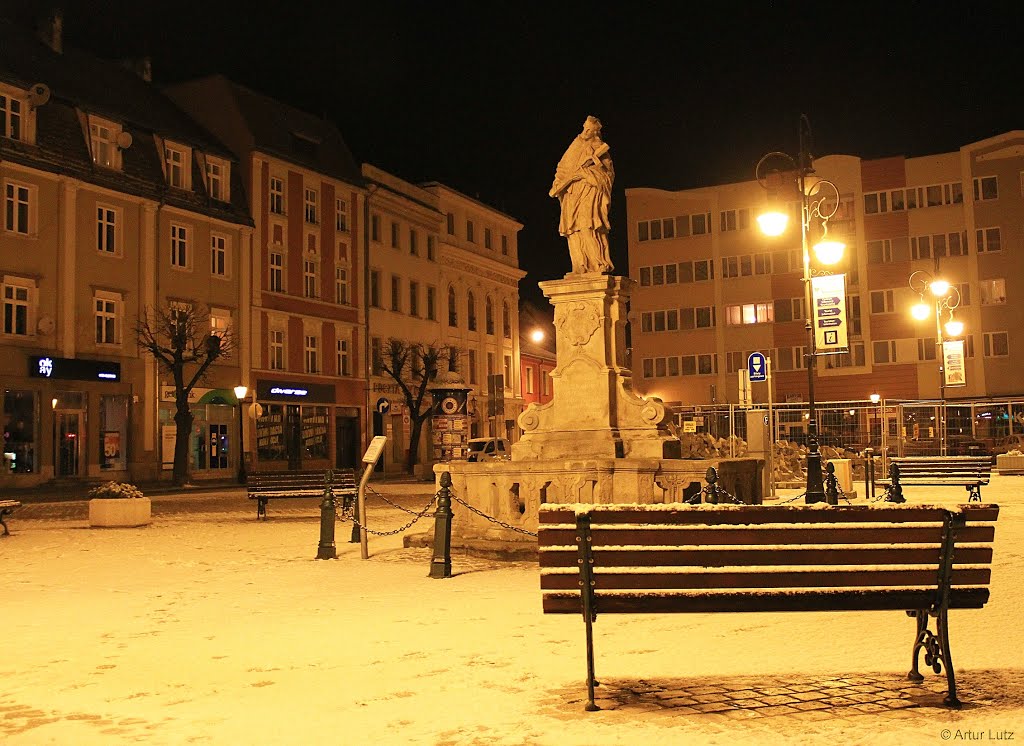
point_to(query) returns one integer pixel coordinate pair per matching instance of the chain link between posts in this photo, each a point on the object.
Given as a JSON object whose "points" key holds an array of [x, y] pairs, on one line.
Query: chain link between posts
{"points": [[482, 514], [347, 514]]}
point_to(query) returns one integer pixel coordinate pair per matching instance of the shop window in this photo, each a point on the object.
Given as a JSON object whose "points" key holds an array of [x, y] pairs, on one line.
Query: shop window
{"points": [[314, 432], [113, 432], [20, 429], [270, 434]]}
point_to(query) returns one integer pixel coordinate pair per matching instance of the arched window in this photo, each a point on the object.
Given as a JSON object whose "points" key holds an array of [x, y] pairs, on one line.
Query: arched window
{"points": [[471, 311], [453, 308], [489, 315], [506, 321]]}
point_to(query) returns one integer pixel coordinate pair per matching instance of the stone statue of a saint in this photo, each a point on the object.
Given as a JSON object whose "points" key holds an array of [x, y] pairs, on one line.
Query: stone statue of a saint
{"points": [[583, 186]]}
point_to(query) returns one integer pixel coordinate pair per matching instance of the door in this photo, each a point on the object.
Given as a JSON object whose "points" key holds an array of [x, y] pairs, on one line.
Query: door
{"points": [[346, 442], [69, 442], [218, 446], [293, 436]]}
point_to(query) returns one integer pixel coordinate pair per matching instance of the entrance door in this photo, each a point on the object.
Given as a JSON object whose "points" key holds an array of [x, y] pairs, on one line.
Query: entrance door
{"points": [[293, 436], [69, 442], [218, 446], [346, 442]]}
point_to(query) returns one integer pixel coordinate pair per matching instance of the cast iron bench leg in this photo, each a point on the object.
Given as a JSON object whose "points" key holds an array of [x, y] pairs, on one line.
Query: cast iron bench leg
{"points": [[261, 507], [5, 512], [919, 641]]}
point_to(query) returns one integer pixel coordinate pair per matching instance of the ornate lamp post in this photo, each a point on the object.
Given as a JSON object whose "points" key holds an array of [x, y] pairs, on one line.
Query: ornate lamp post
{"points": [[945, 298], [819, 201], [240, 392]]}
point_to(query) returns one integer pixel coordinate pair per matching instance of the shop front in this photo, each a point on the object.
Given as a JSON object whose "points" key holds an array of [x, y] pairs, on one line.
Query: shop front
{"points": [[300, 426], [213, 450]]}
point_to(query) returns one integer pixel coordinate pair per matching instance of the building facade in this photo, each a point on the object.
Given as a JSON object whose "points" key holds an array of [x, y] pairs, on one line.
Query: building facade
{"points": [[114, 202], [308, 374], [712, 289]]}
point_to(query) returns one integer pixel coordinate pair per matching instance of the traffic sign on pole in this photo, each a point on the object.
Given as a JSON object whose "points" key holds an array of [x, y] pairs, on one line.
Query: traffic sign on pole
{"points": [[756, 368]]}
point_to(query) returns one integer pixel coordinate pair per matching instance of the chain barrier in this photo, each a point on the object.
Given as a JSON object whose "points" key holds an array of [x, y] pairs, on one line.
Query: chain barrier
{"points": [[371, 491], [480, 513], [347, 514]]}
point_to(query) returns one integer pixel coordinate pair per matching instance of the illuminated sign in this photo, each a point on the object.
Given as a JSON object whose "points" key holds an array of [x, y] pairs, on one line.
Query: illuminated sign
{"points": [[73, 369], [295, 392], [289, 392]]}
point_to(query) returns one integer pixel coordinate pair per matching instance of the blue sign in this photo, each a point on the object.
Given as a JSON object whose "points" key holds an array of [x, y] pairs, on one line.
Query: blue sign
{"points": [[757, 368]]}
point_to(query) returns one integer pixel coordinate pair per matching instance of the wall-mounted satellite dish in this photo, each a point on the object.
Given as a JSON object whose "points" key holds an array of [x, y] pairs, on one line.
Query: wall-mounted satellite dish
{"points": [[38, 94], [124, 140], [46, 325]]}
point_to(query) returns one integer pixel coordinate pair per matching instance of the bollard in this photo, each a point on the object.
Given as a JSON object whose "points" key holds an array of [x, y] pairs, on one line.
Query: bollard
{"points": [[895, 489], [831, 484], [441, 562], [355, 536], [869, 473], [711, 476], [328, 516]]}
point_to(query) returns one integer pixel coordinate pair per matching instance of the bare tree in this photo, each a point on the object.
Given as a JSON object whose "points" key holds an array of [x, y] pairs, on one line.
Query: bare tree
{"points": [[413, 366], [180, 339]]}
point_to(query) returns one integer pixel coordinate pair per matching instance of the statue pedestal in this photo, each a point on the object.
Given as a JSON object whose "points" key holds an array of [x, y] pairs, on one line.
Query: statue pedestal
{"points": [[594, 412]]}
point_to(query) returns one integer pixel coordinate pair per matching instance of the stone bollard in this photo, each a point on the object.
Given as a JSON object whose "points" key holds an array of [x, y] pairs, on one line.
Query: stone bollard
{"points": [[831, 484], [441, 562], [328, 516]]}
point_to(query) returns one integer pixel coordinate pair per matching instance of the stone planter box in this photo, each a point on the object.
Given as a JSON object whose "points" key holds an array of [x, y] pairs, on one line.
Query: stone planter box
{"points": [[120, 512], [1010, 464]]}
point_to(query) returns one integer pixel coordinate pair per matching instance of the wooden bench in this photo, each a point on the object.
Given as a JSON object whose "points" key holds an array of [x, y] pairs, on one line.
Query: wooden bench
{"points": [[675, 558], [263, 485], [6, 508], [970, 472]]}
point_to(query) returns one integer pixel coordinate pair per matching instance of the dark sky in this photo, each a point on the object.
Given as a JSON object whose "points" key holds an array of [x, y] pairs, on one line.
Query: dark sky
{"points": [[485, 96]]}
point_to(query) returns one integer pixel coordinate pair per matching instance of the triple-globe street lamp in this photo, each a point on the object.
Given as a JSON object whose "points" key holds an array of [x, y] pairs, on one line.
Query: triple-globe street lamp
{"points": [[819, 201]]}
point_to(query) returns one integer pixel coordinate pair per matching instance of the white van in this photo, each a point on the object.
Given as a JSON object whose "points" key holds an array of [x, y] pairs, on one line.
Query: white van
{"points": [[489, 449]]}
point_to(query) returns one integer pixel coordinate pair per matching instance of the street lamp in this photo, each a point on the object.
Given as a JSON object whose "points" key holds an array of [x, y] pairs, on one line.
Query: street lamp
{"points": [[537, 336], [944, 299], [819, 201], [240, 392]]}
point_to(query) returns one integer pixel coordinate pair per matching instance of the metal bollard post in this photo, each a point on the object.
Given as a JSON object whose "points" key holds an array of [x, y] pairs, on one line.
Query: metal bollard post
{"points": [[328, 516], [355, 536], [711, 477], [441, 562], [895, 489], [869, 473], [831, 484]]}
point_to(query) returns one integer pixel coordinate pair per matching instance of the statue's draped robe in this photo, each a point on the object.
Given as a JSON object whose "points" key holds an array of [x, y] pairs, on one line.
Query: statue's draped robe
{"points": [[585, 202]]}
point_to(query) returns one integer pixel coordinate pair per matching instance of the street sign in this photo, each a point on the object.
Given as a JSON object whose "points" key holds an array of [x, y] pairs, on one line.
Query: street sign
{"points": [[689, 426], [375, 449], [756, 368], [383, 405], [828, 307]]}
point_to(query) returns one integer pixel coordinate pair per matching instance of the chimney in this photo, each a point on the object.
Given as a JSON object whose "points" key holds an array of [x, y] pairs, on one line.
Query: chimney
{"points": [[51, 31]]}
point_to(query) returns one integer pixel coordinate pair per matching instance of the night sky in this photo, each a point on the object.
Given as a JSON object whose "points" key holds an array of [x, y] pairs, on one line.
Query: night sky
{"points": [[486, 97]]}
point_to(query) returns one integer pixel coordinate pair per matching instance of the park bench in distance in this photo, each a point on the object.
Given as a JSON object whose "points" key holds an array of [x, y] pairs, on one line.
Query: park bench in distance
{"points": [[264, 485], [6, 508], [970, 472], [665, 559]]}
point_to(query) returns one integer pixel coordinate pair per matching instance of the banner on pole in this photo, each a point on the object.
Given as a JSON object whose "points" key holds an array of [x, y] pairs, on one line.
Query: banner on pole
{"points": [[828, 306], [954, 372]]}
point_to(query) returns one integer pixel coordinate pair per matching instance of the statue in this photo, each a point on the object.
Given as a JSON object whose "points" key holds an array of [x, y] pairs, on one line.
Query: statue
{"points": [[583, 186]]}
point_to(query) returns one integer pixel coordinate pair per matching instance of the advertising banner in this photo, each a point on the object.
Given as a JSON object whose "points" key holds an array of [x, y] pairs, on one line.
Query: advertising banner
{"points": [[954, 371], [828, 306]]}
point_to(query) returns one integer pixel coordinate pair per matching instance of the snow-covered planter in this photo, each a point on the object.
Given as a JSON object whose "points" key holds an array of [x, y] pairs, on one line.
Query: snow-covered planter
{"points": [[1010, 463], [118, 504]]}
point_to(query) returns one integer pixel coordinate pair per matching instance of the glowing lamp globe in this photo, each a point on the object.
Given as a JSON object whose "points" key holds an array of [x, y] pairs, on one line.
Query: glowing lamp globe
{"points": [[954, 328], [537, 336], [773, 223], [829, 252], [240, 392], [939, 288], [920, 311], [875, 398]]}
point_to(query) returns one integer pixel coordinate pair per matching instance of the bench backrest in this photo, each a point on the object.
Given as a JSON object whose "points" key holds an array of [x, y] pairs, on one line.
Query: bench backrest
{"points": [[973, 468], [667, 558], [262, 481]]}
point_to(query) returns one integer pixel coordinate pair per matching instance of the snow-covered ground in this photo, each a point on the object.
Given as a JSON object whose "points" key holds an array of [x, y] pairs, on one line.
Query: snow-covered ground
{"points": [[213, 628]]}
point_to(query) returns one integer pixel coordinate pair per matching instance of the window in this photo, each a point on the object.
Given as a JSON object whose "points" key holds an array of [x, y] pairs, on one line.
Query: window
{"points": [[176, 164], [277, 195], [310, 277], [103, 143], [506, 321], [414, 243], [375, 227], [853, 358], [218, 255], [453, 309], [179, 246], [431, 303], [414, 298], [10, 117], [880, 252], [988, 240], [993, 292], [276, 272], [16, 208], [504, 238], [375, 289], [220, 322], [727, 221], [106, 230], [105, 316], [702, 317], [471, 312], [312, 353], [997, 344], [344, 364], [396, 293], [451, 223], [341, 285], [920, 247], [528, 379], [472, 366], [311, 203], [489, 315], [964, 289], [926, 349], [394, 235], [276, 358], [218, 179], [882, 301], [507, 370], [986, 188], [341, 215], [17, 306], [750, 313], [487, 239], [432, 248], [884, 351], [470, 232]]}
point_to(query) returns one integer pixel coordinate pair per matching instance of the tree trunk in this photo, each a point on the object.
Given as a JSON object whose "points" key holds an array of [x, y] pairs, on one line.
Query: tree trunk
{"points": [[414, 442], [183, 419]]}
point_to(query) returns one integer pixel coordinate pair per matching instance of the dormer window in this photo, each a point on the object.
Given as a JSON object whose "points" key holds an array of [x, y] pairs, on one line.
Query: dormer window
{"points": [[177, 165], [12, 124], [218, 179], [103, 143]]}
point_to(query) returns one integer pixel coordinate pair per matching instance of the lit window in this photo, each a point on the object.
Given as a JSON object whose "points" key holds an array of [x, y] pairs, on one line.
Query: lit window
{"points": [[220, 322], [993, 292], [103, 142]]}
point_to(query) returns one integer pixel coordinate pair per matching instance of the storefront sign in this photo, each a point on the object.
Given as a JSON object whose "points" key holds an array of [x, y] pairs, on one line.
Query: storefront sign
{"points": [[953, 370], [298, 393], [73, 369], [168, 434], [167, 393], [828, 305]]}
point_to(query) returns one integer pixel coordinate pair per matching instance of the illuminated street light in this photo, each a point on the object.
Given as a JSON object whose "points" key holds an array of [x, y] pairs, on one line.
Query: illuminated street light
{"points": [[240, 392], [537, 336], [819, 201]]}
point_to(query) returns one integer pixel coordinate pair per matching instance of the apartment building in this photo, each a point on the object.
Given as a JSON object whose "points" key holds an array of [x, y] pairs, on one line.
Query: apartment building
{"points": [[479, 259], [536, 354], [712, 289], [114, 201], [308, 365]]}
